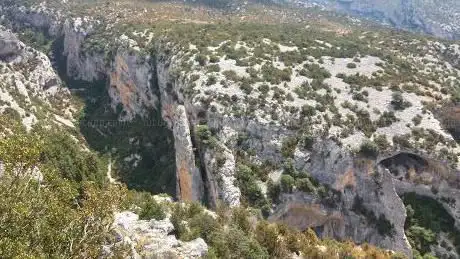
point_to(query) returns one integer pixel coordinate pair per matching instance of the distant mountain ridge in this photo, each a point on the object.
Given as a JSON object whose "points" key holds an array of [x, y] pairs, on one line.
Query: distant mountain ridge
{"points": [[435, 17]]}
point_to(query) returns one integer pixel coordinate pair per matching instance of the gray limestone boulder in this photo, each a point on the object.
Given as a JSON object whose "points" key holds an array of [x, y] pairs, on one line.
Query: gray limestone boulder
{"points": [[9, 45], [155, 238]]}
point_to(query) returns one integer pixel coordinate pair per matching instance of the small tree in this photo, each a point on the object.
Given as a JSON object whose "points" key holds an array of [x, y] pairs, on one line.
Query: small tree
{"points": [[287, 183], [273, 191], [369, 149]]}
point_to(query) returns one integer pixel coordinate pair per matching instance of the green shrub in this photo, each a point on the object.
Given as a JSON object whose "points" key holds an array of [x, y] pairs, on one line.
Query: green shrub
{"points": [[150, 209], [287, 183], [231, 75], [211, 80], [213, 68], [264, 88], [251, 192], [246, 87], [369, 149], [351, 65], [288, 146], [308, 111], [214, 59], [426, 219], [274, 75], [386, 119], [303, 90], [191, 221], [289, 168], [201, 59], [316, 72], [40, 218], [305, 185], [72, 163], [382, 142], [273, 191], [417, 120], [398, 101], [402, 141], [233, 243], [204, 135], [194, 77], [308, 141]]}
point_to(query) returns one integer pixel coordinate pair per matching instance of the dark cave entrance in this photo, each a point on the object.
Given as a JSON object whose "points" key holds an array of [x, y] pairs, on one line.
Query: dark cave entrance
{"points": [[399, 164]]}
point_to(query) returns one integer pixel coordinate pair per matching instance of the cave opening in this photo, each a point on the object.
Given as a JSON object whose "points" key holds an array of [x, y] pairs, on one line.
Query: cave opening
{"points": [[399, 164]]}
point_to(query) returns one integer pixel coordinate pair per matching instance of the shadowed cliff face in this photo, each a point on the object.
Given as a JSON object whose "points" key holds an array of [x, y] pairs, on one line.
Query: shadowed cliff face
{"points": [[431, 189], [142, 149], [450, 116]]}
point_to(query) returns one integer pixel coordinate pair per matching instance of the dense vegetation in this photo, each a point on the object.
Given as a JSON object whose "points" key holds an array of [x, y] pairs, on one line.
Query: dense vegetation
{"points": [[426, 220], [152, 168], [50, 212], [238, 233]]}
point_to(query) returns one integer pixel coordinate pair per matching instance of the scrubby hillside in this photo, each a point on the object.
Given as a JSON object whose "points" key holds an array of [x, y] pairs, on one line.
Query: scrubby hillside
{"points": [[319, 125]]}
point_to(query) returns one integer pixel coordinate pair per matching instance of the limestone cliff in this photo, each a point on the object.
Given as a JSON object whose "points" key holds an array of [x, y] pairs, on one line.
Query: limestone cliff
{"points": [[363, 188]]}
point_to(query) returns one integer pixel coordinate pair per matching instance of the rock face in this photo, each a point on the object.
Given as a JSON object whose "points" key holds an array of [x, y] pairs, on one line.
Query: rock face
{"points": [[129, 76], [420, 175], [154, 238], [190, 185], [439, 18], [221, 178], [189, 180], [28, 81], [130, 84], [9, 45], [362, 188]]}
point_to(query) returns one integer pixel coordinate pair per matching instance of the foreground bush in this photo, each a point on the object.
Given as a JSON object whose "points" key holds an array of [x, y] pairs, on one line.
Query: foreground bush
{"points": [[43, 215]]}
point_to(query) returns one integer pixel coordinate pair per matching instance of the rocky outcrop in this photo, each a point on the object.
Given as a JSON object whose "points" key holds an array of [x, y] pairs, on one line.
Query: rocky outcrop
{"points": [[154, 238], [190, 185], [129, 75], [29, 84], [188, 176], [426, 177], [9, 45], [220, 172], [130, 84], [39, 17], [365, 197]]}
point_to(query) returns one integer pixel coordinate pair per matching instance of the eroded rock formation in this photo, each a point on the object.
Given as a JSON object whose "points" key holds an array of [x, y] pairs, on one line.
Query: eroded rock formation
{"points": [[9, 45], [154, 238]]}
